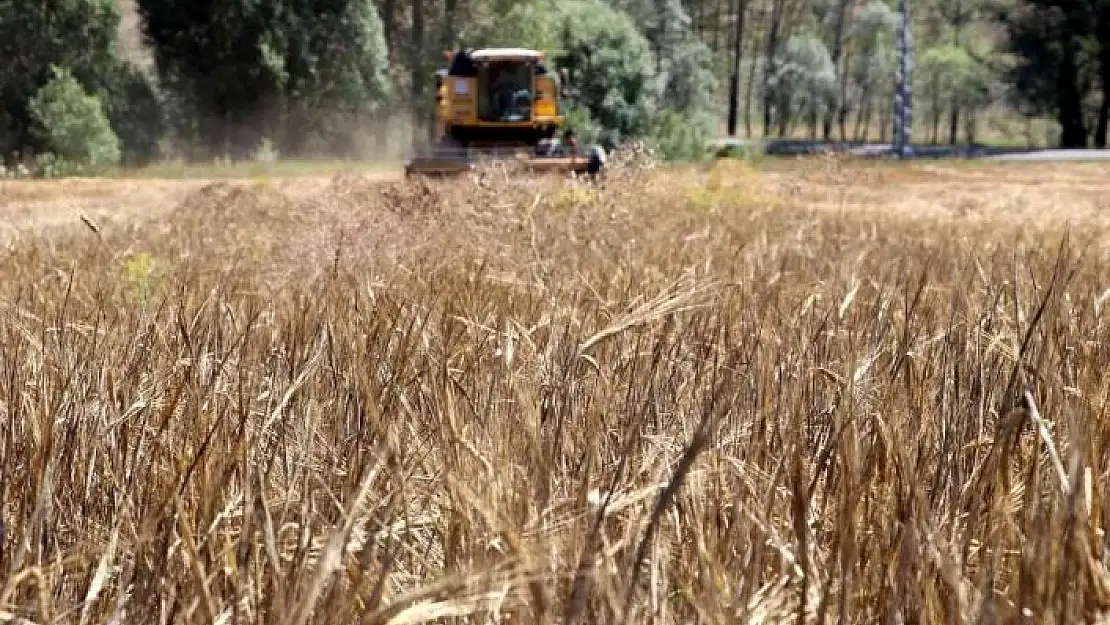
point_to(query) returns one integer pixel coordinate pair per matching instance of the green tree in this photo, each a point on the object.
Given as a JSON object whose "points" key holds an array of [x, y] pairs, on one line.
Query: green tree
{"points": [[612, 68], [684, 64], [951, 79], [77, 34], [335, 68], [1102, 125], [137, 110], [803, 82], [873, 61], [290, 70], [72, 124], [1052, 41], [532, 23], [215, 58]]}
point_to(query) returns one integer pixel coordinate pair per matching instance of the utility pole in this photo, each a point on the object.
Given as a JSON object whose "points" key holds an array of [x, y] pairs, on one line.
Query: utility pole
{"points": [[903, 94]]}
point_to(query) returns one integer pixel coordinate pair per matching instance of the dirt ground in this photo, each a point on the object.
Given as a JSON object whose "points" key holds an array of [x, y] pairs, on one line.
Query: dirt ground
{"points": [[32, 206]]}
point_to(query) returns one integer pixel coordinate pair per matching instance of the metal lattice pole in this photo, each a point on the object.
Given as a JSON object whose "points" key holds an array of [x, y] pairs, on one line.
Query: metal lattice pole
{"points": [[903, 93]]}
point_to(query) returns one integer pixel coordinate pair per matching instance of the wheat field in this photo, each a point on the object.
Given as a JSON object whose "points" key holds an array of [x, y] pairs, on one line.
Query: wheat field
{"points": [[810, 392]]}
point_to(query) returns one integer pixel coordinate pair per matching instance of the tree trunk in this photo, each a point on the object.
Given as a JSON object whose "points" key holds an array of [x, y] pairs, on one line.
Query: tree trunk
{"points": [[389, 32], [954, 122], [842, 106], [1103, 128], [863, 115], [717, 27], [699, 20], [772, 47], [389, 23], [782, 116], [447, 39], [886, 122], [751, 90], [837, 52], [864, 118], [935, 114], [420, 126], [1103, 122], [1069, 99], [737, 54]]}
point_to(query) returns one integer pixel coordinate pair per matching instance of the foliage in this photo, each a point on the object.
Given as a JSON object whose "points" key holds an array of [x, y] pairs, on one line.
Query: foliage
{"points": [[76, 34], [685, 64], [138, 111], [950, 69], [1062, 50], [212, 57], [291, 70], [1035, 36], [803, 79], [72, 123], [611, 66], [690, 82], [678, 137], [529, 23], [585, 127], [310, 74], [336, 68], [873, 34]]}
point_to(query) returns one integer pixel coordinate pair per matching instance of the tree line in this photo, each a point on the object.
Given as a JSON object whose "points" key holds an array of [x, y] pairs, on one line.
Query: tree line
{"points": [[210, 79]]}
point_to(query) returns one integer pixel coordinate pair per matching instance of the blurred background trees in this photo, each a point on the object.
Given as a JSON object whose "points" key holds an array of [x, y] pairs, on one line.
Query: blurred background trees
{"points": [[352, 78]]}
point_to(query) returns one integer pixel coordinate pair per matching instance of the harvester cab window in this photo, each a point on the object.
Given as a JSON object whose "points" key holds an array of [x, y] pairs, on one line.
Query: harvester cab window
{"points": [[506, 88]]}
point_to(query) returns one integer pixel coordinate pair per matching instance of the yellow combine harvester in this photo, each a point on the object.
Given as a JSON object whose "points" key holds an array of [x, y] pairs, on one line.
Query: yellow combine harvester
{"points": [[500, 104]]}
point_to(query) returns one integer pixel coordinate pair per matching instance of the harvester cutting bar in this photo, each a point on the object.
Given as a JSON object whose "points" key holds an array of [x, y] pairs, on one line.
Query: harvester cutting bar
{"points": [[440, 161], [449, 160]]}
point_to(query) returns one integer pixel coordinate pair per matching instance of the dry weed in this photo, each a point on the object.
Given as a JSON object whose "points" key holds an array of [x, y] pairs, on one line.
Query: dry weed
{"points": [[673, 397]]}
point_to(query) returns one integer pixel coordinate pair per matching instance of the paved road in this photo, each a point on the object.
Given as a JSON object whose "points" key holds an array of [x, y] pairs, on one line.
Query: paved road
{"points": [[886, 150], [1055, 155]]}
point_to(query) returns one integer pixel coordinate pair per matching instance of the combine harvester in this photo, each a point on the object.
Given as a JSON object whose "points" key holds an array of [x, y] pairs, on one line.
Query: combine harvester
{"points": [[500, 104]]}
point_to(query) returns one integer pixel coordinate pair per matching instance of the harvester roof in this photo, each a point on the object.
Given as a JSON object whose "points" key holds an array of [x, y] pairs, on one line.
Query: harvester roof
{"points": [[492, 54]]}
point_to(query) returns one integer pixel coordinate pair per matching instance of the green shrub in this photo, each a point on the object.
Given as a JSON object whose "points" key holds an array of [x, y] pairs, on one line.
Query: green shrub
{"points": [[73, 124], [678, 137]]}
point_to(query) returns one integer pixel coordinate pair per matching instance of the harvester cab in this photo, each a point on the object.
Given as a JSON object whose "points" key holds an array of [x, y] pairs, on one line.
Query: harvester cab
{"points": [[499, 104]]}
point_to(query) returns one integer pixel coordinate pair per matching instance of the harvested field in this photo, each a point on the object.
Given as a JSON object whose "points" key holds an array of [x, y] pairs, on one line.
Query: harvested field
{"points": [[809, 394]]}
